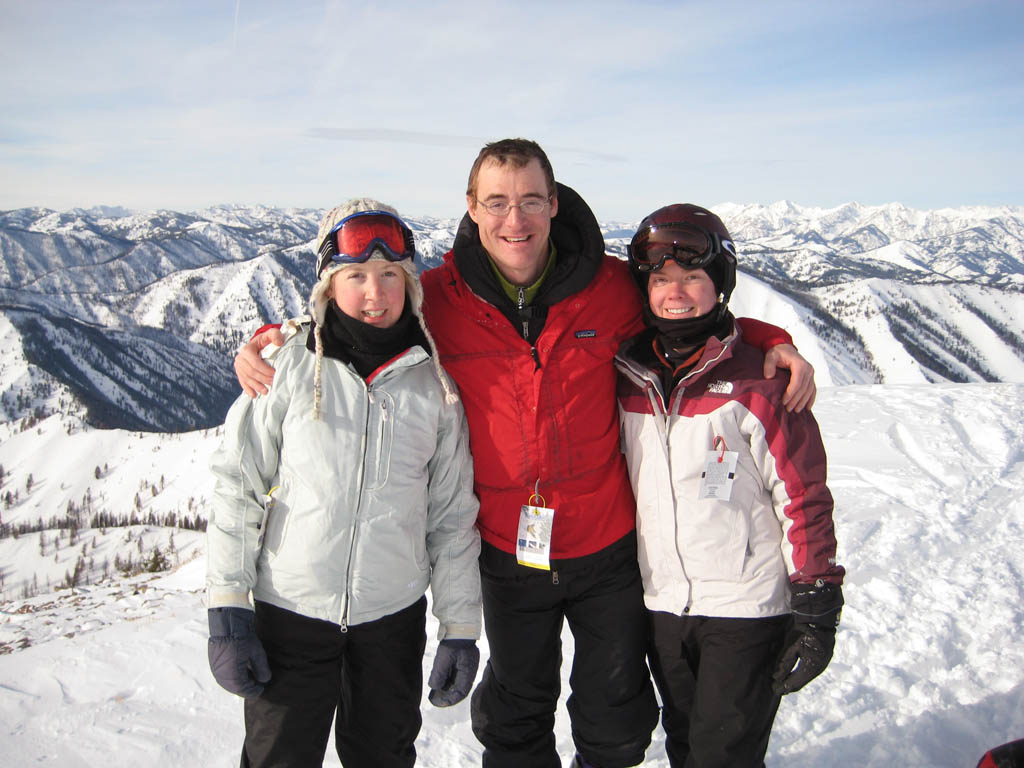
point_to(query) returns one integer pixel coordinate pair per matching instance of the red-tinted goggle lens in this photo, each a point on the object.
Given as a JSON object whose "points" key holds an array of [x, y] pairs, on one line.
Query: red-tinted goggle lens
{"points": [[354, 239]]}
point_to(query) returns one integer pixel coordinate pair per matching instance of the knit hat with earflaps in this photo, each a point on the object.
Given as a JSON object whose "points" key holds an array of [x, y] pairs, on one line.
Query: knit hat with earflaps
{"points": [[320, 294]]}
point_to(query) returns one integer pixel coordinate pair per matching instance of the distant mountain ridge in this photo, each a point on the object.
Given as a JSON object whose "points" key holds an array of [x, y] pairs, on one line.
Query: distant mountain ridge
{"points": [[131, 318], [893, 294]]}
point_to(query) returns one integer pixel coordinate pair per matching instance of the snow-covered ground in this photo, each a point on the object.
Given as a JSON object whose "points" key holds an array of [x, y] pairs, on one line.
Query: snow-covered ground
{"points": [[929, 666]]}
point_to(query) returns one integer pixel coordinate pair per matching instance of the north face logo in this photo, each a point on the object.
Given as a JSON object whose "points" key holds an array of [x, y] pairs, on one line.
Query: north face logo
{"points": [[720, 387]]}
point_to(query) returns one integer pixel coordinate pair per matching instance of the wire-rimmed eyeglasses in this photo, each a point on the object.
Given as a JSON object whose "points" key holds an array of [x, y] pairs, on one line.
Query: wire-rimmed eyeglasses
{"points": [[530, 207]]}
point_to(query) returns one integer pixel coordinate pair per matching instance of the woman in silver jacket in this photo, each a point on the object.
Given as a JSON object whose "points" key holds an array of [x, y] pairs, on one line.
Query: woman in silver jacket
{"points": [[341, 495], [734, 519]]}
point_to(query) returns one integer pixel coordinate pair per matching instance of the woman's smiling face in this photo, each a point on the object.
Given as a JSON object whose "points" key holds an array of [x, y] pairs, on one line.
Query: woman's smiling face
{"points": [[675, 293]]}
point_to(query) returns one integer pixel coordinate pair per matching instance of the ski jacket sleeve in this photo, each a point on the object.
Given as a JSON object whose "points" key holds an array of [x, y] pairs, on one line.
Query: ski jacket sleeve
{"points": [[790, 456], [758, 333], [292, 325], [262, 328], [453, 543], [245, 468]]}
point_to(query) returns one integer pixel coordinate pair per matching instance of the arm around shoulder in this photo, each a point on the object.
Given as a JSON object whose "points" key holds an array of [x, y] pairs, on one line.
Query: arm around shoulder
{"points": [[779, 352], [254, 373]]}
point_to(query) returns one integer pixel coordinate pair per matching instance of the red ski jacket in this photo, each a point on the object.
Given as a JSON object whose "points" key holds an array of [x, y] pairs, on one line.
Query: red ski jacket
{"points": [[542, 418]]}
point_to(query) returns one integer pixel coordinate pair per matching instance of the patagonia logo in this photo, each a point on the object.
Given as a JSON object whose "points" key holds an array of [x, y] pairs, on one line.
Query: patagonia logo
{"points": [[720, 387], [586, 334]]}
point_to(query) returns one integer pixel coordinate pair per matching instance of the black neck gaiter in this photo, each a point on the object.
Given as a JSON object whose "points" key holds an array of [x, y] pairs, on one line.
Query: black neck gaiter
{"points": [[678, 339], [366, 346]]}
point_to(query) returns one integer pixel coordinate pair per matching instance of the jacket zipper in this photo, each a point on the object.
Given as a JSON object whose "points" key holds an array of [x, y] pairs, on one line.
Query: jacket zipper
{"points": [[521, 305], [644, 381], [347, 602], [380, 439]]}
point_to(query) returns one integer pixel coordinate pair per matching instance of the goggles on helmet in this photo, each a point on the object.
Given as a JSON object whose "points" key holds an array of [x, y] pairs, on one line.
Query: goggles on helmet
{"points": [[354, 239], [688, 246]]}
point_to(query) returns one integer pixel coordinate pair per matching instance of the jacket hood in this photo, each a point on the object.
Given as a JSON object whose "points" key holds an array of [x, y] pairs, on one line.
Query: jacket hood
{"points": [[577, 239]]}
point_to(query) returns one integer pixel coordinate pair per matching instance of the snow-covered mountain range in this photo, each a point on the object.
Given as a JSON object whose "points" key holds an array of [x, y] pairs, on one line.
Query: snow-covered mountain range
{"points": [[131, 319]]}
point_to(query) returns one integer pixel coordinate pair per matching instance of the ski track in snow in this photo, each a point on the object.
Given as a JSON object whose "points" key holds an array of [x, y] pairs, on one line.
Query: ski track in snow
{"points": [[928, 671]]}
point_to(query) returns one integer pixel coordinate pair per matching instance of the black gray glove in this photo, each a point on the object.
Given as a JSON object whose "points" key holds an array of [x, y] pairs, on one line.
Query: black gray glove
{"points": [[237, 659], [809, 643], [453, 673]]}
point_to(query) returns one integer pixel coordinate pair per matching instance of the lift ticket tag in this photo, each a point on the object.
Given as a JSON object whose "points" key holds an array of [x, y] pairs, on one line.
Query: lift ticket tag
{"points": [[719, 472], [533, 544]]}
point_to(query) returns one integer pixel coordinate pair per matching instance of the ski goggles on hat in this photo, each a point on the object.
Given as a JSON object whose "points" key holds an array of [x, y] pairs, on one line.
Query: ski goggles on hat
{"points": [[354, 239], [688, 246]]}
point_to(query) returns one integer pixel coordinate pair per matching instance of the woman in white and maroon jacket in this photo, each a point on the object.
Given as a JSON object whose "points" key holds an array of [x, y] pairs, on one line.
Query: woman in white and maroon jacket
{"points": [[736, 542]]}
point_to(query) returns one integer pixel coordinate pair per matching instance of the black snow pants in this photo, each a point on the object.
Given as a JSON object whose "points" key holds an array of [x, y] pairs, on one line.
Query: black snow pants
{"points": [[715, 680], [612, 707], [370, 676]]}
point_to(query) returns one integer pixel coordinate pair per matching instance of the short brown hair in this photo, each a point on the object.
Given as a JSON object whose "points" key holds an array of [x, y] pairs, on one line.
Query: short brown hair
{"points": [[515, 152]]}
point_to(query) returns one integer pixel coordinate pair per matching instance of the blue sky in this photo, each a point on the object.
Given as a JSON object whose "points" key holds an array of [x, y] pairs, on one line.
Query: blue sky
{"points": [[156, 103]]}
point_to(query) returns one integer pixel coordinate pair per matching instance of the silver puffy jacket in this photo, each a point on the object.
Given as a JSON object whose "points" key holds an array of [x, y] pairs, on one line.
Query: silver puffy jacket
{"points": [[348, 518]]}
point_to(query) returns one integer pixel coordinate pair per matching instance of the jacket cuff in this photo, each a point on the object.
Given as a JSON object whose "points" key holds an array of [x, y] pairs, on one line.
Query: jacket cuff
{"points": [[819, 603], [261, 329], [458, 632], [220, 597]]}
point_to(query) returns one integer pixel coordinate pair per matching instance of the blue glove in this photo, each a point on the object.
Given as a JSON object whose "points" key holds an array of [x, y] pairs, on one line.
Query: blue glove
{"points": [[237, 659], [454, 672]]}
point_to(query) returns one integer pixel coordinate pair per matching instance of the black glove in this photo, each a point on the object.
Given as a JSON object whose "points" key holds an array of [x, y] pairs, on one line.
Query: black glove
{"points": [[809, 643], [454, 672], [237, 658]]}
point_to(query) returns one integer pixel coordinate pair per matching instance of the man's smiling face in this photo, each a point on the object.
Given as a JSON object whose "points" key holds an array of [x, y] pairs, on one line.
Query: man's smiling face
{"points": [[517, 242]]}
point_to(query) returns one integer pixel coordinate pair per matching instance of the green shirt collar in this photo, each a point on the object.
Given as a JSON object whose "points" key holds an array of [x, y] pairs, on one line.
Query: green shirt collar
{"points": [[530, 291]]}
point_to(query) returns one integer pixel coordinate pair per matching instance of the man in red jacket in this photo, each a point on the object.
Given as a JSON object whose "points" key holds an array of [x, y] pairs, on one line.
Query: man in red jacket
{"points": [[527, 313]]}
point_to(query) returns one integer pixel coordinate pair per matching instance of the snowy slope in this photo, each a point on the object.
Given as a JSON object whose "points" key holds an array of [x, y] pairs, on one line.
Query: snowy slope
{"points": [[928, 673]]}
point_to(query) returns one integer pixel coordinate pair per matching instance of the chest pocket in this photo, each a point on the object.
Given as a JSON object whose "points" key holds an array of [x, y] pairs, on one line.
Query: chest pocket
{"points": [[380, 423]]}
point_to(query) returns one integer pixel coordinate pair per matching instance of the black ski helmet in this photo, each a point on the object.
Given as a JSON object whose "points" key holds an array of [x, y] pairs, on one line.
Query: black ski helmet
{"points": [[719, 261]]}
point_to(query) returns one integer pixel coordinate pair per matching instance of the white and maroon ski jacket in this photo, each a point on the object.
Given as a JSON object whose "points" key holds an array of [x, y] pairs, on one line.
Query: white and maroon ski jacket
{"points": [[734, 558]]}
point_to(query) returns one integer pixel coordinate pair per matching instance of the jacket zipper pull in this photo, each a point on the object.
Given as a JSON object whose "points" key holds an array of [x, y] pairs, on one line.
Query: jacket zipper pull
{"points": [[554, 577], [344, 626], [384, 411], [521, 305]]}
